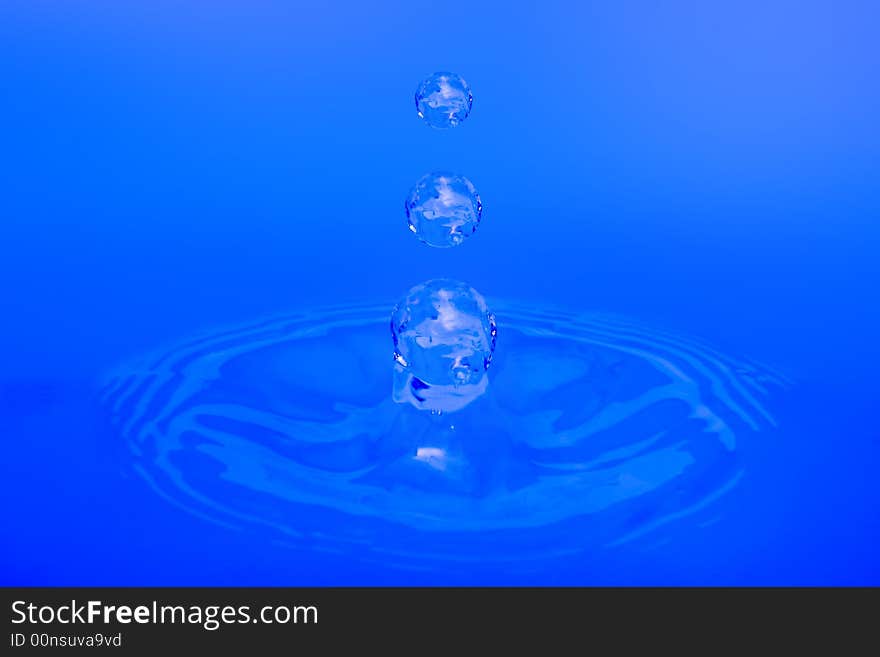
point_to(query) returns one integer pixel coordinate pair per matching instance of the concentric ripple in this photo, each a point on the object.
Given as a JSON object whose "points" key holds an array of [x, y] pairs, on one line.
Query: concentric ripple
{"points": [[594, 431]]}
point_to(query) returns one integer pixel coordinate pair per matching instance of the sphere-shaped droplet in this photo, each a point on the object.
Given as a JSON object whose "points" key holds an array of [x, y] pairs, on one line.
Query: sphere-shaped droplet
{"points": [[444, 100], [444, 338], [443, 209]]}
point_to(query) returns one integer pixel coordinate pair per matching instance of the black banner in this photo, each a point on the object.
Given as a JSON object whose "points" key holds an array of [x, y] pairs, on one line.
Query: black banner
{"points": [[374, 619]]}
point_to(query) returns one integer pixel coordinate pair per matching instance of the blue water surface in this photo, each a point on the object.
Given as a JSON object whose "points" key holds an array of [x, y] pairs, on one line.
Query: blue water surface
{"points": [[204, 237]]}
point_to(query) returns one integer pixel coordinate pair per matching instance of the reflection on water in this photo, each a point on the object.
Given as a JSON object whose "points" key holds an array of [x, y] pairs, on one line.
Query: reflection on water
{"points": [[595, 431]]}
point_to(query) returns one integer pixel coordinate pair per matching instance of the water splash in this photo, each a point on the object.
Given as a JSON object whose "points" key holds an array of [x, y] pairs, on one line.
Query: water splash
{"points": [[595, 432]]}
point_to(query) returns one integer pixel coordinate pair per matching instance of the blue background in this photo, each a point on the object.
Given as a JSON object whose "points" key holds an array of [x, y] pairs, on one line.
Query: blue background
{"points": [[170, 166]]}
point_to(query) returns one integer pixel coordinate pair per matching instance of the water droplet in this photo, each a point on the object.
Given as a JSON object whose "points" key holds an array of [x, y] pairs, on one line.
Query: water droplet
{"points": [[444, 337], [444, 100], [443, 209]]}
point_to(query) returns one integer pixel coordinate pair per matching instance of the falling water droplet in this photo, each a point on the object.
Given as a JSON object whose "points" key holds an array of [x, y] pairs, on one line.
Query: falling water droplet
{"points": [[444, 100], [444, 338], [443, 209]]}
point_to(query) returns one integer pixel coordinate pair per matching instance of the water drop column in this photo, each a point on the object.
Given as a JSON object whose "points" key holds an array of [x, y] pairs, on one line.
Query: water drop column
{"points": [[443, 332]]}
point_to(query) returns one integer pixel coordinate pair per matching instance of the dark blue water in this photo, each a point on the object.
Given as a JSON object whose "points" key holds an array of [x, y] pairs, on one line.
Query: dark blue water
{"points": [[205, 236]]}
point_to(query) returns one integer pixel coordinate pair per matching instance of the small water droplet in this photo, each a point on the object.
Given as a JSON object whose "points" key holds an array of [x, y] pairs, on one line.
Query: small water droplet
{"points": [[443, 100]]}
